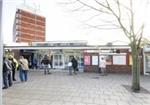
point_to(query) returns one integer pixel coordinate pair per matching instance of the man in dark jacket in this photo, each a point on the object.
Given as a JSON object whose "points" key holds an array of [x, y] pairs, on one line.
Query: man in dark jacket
{"points": [[7, 69], [46, 62], [14, 67], [74, 64]]}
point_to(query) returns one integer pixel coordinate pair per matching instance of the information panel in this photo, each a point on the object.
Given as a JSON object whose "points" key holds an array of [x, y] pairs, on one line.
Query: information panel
{"points": [[119, 60], [94, 60]]}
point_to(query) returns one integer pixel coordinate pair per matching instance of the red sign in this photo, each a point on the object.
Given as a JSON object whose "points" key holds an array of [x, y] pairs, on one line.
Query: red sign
{"points": [[87, 60]]}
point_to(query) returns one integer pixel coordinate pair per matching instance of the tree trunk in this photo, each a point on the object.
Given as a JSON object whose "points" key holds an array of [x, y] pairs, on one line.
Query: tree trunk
{"points": [[135, 69]]}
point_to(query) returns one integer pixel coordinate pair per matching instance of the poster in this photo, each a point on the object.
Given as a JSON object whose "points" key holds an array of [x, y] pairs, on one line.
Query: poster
{"points": [[94, 60], [130, 60], [119, 60], [87, 60]]}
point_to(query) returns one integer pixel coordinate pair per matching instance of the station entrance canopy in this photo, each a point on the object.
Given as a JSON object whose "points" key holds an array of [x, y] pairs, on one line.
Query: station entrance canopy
{"points": [[65, 46]]}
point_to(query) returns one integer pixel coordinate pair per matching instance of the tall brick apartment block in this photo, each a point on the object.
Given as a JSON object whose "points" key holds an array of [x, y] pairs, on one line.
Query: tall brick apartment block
{"points": [[28, 27]]}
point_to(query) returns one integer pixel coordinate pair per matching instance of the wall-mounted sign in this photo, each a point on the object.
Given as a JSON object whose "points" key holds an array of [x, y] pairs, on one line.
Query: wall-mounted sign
{"points": [[94, 60], [130, 60], [119, 60], [87, 60], [146, 48]]}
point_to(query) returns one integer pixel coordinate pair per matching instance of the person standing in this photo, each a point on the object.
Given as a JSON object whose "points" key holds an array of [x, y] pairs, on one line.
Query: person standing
{"points": [[70, 67], [34, 66], [46, 62], [7, 69], [102, 66], [74, 64], [23, 69], [14, 66]]}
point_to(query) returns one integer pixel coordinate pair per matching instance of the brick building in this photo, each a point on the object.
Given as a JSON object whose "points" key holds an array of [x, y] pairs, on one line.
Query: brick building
{"points": [[28, 27]]}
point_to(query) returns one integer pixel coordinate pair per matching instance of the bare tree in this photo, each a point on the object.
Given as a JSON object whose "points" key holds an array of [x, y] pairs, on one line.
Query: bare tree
{"points": [[119, 14]]}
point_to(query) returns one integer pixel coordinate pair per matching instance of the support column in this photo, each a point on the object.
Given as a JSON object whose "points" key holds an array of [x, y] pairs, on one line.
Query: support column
{"points": [[1, 51]]}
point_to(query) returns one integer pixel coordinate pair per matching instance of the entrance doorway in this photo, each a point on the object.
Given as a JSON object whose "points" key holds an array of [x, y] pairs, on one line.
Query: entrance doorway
{"points": [[58, 61]]}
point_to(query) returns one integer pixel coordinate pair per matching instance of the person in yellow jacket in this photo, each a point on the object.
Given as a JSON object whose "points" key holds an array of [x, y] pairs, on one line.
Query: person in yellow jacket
{"points": [[14, 66], [16, 63]]}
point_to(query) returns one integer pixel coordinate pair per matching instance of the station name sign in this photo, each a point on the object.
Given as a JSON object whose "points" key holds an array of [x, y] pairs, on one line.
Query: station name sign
{"points": [[59, 44]]}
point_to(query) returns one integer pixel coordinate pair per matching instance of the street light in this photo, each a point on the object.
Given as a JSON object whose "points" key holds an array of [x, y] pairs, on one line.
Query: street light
{"points": [[1, 50]]}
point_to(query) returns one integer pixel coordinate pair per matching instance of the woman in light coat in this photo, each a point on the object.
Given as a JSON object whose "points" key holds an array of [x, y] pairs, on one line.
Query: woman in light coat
{"points": [[24, 68]]}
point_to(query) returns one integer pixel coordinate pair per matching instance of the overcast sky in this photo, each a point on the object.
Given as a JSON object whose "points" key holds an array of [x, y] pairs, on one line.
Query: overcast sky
{"points": [[60, 24]]}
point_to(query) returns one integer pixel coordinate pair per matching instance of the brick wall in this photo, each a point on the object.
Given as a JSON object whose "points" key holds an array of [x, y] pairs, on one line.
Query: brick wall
{"points": [[29, 27], [119, 68], [114, 68]]}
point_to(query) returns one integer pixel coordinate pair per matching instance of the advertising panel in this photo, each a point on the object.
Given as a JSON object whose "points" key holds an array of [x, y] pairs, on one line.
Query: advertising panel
{"points": [[87, 60], [94, 60], [119, 60]]}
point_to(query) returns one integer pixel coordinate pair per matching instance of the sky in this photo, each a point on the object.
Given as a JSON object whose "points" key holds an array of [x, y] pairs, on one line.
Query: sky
{"points": [[60, 23]]}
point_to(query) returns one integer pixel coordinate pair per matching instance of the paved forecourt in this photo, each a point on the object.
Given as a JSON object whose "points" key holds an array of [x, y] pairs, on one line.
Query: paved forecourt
{"points": [[59, 88]]}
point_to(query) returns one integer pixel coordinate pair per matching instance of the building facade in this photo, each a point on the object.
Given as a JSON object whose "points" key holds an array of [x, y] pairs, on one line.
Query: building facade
{"points": [[28, 27], [146, 59], [118, 57]]}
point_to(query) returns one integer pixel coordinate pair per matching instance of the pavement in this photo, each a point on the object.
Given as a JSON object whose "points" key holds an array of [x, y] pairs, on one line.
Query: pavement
{"points": [[59, 88]]}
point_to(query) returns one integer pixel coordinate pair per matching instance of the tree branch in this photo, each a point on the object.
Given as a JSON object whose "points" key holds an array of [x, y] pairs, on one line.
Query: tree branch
{"points": [[67, 3], [78, 9], [141, 36], [100, 27], [119, 9], [127, 33], [132, 20], [108, 7], [92, 17], [93, 7], [101, 4]]}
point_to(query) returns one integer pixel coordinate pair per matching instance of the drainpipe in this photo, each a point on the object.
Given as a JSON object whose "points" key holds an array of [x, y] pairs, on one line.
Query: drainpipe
{"points": [[1, 51]]}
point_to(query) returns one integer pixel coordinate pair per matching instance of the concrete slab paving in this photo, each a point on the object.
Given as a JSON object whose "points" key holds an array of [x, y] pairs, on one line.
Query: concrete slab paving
{"points": [[59, 88]]}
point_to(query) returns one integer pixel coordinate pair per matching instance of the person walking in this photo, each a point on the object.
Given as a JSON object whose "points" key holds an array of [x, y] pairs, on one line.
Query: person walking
{"points": [[7, 69], [23, 69], [74, 64], [102, 66], [46, 62]]}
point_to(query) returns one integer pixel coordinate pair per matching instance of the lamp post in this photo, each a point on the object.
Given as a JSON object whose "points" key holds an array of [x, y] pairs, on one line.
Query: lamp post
{"points": [[1, 50]]}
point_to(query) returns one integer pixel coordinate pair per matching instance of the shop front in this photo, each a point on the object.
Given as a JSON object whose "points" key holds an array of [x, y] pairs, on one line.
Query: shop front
{"points": [[146, 60], [58, 57], [117, 60]]}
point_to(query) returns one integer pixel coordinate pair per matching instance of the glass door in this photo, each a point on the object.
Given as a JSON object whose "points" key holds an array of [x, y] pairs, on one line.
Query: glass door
{"points": [[58, 61]]}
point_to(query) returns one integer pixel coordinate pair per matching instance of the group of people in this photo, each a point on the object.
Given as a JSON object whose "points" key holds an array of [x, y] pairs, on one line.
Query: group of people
{"points": [[73, 65], [47, 64], [10, 66]]}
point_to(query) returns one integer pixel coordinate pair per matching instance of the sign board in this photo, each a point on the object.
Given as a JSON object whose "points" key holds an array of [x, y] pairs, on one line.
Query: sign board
{"points": [[130, 60], [87, 60], [146, 48], [119, 60], [94, 60]]}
